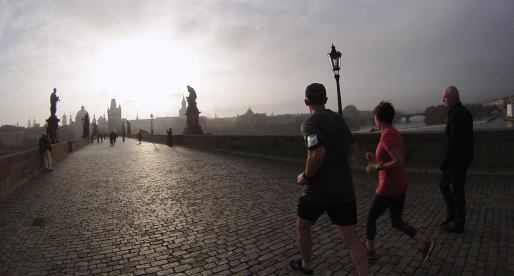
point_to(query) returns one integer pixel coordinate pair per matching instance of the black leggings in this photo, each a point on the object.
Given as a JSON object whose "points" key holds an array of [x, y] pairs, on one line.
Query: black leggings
{"points": [[395, 205]]}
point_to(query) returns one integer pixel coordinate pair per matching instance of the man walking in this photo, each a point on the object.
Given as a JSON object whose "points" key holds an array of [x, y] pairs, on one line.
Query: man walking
{"points": [[458, 156], [327, 181], [123, 131]]}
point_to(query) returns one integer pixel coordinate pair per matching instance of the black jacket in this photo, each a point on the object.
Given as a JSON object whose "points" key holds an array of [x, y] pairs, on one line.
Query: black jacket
{"points": [[44, 144], [459, 139]]}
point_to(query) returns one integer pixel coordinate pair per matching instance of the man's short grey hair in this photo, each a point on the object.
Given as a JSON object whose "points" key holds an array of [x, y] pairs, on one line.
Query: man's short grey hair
{"points": [[453, 91]]}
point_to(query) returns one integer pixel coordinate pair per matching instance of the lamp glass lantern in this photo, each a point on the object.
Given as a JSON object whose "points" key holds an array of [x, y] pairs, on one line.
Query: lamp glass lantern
{"points": [[335, 60]]}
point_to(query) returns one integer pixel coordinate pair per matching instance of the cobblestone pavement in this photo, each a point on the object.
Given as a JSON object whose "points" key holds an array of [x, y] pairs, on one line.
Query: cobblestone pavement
{"points": [[152, 210]]}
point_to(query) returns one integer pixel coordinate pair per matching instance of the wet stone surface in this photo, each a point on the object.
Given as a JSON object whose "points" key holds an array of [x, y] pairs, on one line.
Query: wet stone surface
{"points": [[152, 210]]}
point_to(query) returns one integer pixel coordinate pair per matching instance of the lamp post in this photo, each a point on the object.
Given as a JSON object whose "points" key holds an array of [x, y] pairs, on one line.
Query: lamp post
{"points": [[151, 124], [335, 61]]}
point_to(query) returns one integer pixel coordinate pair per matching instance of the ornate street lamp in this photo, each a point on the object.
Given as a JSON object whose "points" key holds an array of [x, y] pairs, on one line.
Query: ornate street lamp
{"points": [[335, 60], [151, 124]]}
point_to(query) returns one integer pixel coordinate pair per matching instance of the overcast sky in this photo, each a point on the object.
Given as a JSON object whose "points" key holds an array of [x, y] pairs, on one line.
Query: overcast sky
{"points": [[242, 53]]}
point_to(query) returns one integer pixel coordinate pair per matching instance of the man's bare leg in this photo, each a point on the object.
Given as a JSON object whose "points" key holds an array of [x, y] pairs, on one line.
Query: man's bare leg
{"points": [[304, 237], [352, 241]]}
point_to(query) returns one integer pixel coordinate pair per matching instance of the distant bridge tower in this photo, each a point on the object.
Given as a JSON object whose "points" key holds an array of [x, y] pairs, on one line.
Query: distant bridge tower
{"points": [[182, 111], [114, 117]]}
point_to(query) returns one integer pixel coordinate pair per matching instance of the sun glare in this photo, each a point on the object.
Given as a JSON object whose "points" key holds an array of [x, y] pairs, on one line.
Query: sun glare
{"points": [[144, 66]]}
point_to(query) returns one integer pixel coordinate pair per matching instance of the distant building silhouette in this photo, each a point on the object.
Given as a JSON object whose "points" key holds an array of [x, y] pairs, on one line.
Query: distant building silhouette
{"points": [[79, 122], [510, 110], [103, 127], [251, 119], [64, 120], [500, 103], [114, 117], [14, 138], [182, 111], [252, 123], [80, 115]]}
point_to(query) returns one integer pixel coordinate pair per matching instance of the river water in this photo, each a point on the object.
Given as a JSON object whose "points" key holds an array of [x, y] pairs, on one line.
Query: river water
{"points": [[417, 124]]}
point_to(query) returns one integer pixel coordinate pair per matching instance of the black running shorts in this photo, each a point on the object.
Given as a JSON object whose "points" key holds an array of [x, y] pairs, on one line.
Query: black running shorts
{"points": [[342, 214]]}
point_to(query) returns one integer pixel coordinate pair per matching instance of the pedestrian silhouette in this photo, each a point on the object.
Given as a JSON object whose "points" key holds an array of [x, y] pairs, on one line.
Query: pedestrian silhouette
{"points": [[140, 137], [112, 138]]}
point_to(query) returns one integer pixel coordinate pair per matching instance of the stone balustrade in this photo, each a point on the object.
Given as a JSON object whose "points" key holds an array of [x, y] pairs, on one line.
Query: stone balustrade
{"points": [[19, 168], [493, 151]]}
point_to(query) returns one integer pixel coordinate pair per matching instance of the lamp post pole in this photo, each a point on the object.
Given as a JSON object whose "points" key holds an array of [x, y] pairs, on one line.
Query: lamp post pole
{"points": [[151, 124], [336, 76], [335, 61]]}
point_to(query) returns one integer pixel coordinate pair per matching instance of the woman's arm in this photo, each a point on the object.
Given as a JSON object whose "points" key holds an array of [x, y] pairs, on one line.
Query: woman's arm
{"points": [[397, 160]]}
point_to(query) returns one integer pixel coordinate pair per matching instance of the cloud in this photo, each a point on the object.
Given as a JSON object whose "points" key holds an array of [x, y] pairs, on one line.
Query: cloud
{"points": [[258, 54]]}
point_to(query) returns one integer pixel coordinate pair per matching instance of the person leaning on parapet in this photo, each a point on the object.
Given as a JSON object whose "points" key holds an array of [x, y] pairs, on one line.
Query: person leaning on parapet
{"points": [[327, 181], [45, 149], [458, 156], [388, 160]]}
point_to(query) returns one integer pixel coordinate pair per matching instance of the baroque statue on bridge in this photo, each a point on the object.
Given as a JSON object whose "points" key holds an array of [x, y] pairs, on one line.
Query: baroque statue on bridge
{"points": [[192, 113], [53, 102], [86, 126], [53, 121]]}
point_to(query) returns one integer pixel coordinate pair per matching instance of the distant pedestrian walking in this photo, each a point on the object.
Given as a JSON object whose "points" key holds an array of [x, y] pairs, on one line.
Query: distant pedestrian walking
{"points": [[140, 137], [123, 131], [388, 160], [458, 156], [45, 149], [169, 137], [112, 138], [327, 181]]}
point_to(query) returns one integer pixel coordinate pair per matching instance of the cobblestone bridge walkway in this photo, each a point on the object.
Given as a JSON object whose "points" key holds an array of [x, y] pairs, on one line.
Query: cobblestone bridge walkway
{"points": [[153, 210]]}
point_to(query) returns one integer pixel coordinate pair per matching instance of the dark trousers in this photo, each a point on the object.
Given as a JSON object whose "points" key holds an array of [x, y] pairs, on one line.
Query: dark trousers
{"points": [[452, 187], [379, 205]]}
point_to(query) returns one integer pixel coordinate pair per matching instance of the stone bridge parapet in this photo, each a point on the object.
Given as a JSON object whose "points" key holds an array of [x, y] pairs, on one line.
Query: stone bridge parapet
{"points": [[493, 151], [19, 168]]}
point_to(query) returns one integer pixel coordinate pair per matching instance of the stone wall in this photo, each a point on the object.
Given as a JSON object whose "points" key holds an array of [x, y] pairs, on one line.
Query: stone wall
{"points": [[19, 168], [288, 148], [77, 144], [160, 139], [494, 149]]}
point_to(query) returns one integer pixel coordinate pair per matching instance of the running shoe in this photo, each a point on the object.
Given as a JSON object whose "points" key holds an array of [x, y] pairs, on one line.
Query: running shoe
{"points": [[371, 254], [427, 249], [296, 265]]}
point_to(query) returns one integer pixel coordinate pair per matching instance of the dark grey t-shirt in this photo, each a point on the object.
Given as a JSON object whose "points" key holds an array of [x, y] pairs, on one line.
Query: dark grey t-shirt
{"points": [[333, 182]]}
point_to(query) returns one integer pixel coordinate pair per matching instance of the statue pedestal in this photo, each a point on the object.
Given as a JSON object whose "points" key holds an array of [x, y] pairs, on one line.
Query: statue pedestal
{"points": [[192, 122], [52, 129], [195, 129]]}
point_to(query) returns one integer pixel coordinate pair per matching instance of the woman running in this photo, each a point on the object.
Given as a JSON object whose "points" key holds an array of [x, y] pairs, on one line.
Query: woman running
{"points": [[388, 160]]}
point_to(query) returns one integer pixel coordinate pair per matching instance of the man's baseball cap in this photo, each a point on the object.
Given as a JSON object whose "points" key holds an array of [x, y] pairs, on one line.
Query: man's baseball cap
{"points": [[315, 92]]}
